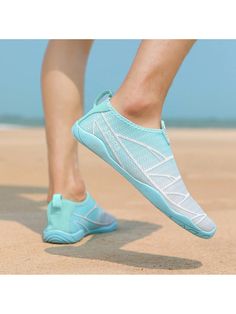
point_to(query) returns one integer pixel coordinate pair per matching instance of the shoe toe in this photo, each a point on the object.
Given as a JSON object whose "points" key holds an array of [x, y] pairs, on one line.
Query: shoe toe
{"points": [[207, 225]]}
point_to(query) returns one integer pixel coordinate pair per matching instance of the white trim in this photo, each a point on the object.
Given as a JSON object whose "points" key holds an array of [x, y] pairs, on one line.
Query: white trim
{"points": [[186, 196], [94, 127], [122, 145], [176, 193], [162, 175], [103, 134], [91, 210], [90, 220], [143, 145], [168, 185], [161, 163], [118, 137], [202, 215]]}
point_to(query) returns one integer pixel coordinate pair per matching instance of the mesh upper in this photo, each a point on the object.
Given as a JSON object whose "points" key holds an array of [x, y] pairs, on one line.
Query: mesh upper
{"points": [[144, 155]]}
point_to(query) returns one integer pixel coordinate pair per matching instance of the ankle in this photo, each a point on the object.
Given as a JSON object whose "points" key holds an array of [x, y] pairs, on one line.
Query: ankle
{"points": [[73, 190], [72, 195], [145, 111]]}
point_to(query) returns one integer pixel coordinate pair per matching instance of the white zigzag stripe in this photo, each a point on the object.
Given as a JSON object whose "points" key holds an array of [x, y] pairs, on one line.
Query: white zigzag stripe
{"points": [[151, 149], [90, 220], [118, 137], [113, 151], [91, 210], [160, 163]]}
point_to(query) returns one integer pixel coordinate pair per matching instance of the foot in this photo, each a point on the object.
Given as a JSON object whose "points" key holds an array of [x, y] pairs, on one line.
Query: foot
{"points": [[144, 157], [69, 222]]}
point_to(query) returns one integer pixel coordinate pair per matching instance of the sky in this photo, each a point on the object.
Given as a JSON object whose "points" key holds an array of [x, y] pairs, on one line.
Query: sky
{"points": [[204, 87]]}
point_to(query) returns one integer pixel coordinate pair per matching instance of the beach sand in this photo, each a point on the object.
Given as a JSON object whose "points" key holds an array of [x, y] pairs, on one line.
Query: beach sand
{"points": [[147, 242]]}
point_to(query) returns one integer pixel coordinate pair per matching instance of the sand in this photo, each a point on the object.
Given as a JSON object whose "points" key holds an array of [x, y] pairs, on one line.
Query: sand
{"points": [[147, 242]]}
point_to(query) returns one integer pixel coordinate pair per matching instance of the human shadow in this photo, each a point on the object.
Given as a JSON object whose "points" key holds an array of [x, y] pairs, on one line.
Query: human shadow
{"points": [[110, 249], [23, 210], [14, 206]]}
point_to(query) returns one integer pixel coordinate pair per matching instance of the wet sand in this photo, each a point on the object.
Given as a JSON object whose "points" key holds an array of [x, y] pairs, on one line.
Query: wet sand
{"points": [[146, 242]]}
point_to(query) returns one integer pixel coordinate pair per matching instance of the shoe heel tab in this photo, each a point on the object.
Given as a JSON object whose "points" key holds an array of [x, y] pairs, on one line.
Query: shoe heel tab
{"points": [[106, 93], [57, 200], [98, 106], [163, 127]]}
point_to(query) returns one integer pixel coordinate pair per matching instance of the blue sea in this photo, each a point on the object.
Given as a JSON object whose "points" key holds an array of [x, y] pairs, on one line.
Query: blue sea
{"points": [[10, 122], [203, 93]]}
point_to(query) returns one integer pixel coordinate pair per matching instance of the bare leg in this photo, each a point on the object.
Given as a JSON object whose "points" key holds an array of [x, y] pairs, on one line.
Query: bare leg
{"points": [[62, 89], [143, 155], [141, 96]]}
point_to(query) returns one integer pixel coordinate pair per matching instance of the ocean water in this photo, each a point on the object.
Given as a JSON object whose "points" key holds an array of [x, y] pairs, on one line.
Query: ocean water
{"points": [[202, 95], [13, 121], [9, 122]]}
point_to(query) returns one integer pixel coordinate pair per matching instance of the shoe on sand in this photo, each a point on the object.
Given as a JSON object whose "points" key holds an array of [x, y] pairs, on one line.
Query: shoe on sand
{"points": [[69, 222], [144, 157]]}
